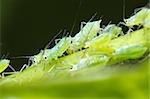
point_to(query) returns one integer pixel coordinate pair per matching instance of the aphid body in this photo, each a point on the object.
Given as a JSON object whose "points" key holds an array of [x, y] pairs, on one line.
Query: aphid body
{"points": [[132, 51], [53, 53], [4, 63], [88, 32], [110, 32], [140, 18], [88, 61]]}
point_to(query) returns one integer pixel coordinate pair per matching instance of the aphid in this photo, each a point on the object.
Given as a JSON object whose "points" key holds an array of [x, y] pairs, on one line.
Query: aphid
{"points": [[110, 31], [132, 51], [53, 53], [88, 32], [88, 61], [140, 18], [4, 63], [47, 55]]}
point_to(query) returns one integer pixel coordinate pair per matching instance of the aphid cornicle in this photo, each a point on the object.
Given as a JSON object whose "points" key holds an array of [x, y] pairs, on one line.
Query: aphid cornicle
{"points": [[88, 61], [53, 53], [110, 31], [88, 32], [4, 63], [140, 18]]}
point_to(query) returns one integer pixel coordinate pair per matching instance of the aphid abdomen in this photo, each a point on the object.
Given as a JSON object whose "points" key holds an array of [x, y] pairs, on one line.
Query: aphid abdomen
{"points": [[130, 52], [147, 21], [88, 61], [95, 28], [4, 63], [109, 32]]}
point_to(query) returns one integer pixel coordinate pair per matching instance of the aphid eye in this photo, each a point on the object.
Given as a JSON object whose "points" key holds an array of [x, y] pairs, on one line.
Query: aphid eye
{"points": [[97, 34], [125, 20], [45, 57]]}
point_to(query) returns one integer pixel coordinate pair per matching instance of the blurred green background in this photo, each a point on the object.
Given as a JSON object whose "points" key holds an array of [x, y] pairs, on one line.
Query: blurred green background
{"points": [[28, 25]]}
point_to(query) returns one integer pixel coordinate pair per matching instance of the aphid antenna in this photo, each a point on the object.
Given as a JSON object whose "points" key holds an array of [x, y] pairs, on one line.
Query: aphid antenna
{"points": [[4, 56], [75, 18], [64, 31], [93, 16], [148, 5], [109, 23], [53, 39], [67, 34], [138, 9], [20, 57], [124, 9], [123, 13]]}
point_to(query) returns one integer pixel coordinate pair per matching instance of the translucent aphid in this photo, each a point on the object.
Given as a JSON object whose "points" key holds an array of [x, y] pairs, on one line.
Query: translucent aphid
{"points": [[88, 32], [53, 53], [132, 51], [110, 31], [140, 18], [88, 61], [4, 63]]}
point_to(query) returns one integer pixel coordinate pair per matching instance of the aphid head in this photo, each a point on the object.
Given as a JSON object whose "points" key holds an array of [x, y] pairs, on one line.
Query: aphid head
{"points": [[46, 54], [113, 30], [37, 58], [130, 22]]}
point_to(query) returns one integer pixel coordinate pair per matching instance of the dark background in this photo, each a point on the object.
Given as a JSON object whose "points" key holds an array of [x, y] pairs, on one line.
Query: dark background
{"points": [[28, 25]]}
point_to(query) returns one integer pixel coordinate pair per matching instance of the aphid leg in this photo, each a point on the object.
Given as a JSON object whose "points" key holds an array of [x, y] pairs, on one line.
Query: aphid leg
{"points": [[31, 61], [23, 67], [63, 55], [51, 68], [130, 30], [122, 33], [11, 68], [82, 25], [121, 23], [139, 26], [57, 40], [7, 73]]}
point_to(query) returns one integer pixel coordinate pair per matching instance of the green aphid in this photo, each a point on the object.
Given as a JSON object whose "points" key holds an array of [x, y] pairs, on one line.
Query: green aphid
{"points": [[53, 53], [110, 32], [91, 60], [132, 51], [87, 33], [4, 63], [140, 18]]}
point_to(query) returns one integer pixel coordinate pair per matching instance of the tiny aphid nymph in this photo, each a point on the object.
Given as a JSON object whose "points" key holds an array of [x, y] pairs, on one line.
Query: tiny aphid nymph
{"points": [[4, 63]]}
